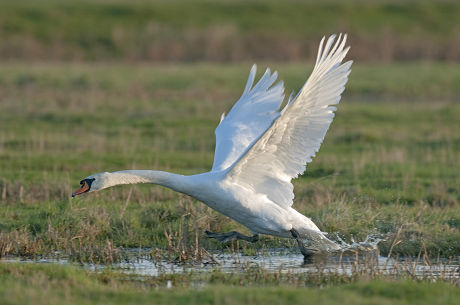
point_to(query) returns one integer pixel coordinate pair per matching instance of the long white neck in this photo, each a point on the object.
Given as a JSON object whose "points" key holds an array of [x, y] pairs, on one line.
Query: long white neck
{"points": [[176, 182]]}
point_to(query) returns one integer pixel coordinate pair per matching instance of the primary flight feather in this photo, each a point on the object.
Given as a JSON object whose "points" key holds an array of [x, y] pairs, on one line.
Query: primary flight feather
{"points": [[259, 150]]}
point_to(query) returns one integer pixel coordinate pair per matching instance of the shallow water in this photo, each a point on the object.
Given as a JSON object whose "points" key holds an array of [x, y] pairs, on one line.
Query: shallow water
{"points": [[139, 262]]}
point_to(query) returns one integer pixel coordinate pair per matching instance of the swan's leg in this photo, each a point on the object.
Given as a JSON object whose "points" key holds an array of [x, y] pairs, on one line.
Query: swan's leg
{"points": [[229, 236], [307, 253]]}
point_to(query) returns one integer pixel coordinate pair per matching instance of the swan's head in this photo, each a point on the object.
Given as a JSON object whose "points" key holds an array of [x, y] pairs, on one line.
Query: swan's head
{"points": [[93, 183]]}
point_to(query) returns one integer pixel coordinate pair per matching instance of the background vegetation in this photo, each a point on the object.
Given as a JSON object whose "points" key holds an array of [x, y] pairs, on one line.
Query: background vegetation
{"points": [[98, 86], [224, 30]]}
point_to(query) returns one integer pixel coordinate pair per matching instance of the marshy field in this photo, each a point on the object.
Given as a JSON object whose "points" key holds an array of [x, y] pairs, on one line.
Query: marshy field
{"points": [[104, 86]]}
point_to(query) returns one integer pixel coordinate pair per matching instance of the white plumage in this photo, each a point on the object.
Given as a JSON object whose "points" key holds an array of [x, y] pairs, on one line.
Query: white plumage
{"points": [[251, 115], [259, 150], [281, 153]]}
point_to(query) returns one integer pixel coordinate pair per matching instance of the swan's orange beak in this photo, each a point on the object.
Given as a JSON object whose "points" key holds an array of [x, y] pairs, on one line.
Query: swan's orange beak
{"points": [[84, 188]]}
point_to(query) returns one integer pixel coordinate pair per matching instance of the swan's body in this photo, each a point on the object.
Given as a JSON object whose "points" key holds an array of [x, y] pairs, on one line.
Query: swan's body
{"points": [[259, 150], [254, 210]]}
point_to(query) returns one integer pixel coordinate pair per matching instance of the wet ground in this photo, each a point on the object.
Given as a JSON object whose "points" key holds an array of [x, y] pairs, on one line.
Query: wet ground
{"points": [[140, 262]]}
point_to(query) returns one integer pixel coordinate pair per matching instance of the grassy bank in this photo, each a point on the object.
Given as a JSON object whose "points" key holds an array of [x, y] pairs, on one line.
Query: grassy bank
{"points": [[203, 30], [44, 284], [388, 163]]}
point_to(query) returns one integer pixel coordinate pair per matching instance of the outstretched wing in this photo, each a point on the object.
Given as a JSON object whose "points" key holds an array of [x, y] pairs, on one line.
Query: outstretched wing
{"points": [[251, 115], [281, 153]]}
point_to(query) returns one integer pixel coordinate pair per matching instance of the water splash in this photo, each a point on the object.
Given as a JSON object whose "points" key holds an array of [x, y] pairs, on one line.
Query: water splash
{"points": [[370, 243], [318, 242]]}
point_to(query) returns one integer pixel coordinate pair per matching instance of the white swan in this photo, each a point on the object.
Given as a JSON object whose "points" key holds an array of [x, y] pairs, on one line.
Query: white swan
{"points": [[259, 150]]}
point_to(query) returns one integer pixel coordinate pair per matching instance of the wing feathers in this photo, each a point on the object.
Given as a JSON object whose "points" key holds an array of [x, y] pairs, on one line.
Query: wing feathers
{"points": [[251, 115], [251, 77], [282, 152]]}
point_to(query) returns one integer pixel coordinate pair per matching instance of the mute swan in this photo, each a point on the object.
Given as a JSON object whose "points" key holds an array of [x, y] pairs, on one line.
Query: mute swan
{"points": [[259, 150]]}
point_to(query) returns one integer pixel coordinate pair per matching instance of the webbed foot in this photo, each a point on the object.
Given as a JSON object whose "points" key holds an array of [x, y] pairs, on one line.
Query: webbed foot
{"points": [[307, 252]]}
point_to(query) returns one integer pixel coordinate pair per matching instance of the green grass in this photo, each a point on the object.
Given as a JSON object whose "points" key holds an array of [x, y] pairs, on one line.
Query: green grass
{"points": [[388, 161], [45, 284], [225, 30], [91, 86]]}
